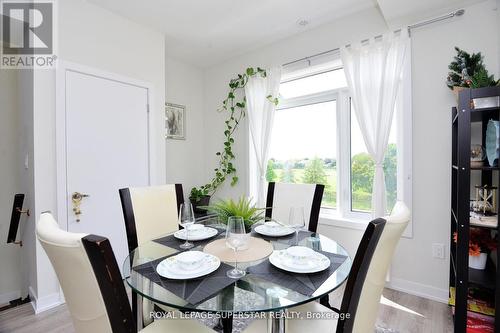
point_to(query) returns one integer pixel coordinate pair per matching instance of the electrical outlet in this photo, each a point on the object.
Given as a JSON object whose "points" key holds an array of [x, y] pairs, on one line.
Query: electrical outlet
{"points": [[438, 250]]}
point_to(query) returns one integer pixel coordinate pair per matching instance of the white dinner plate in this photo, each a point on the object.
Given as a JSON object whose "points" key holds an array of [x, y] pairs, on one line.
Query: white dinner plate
{"points": [[199, 234], [170, 269], [316, 263], [274, 232]]}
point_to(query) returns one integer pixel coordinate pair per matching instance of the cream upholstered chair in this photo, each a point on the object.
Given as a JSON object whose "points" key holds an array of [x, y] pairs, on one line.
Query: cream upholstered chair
{"points": [[282, 196], [90, 279], [149, 213], [365, 283]]}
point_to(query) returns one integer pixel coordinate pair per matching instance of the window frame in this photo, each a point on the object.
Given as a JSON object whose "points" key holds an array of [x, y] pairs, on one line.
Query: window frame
{"points": [[343, 214], [321, 97]]}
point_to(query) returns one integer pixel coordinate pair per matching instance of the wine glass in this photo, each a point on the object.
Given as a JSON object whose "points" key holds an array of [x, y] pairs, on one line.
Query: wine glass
{"points": [[186, 219], [297, 221], [236, 239]]}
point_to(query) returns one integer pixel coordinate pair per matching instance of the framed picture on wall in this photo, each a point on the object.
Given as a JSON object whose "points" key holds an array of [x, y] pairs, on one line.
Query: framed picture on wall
{"points": [[175, 121]]}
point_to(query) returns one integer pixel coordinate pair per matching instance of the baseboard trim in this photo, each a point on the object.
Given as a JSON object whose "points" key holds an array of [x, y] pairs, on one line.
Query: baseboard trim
{"points": [[418, 289], [44, 303], [5, 298]]}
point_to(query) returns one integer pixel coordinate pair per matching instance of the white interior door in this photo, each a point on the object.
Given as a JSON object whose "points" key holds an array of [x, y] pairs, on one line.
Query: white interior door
{"points": [[106, 148]]}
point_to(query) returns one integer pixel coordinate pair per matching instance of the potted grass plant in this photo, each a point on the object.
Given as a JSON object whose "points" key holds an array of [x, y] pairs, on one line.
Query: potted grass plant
{"points": [[243, 207]]}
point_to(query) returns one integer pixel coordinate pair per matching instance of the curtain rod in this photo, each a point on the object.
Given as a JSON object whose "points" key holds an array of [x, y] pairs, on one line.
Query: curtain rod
{"points": [[458, 12]]}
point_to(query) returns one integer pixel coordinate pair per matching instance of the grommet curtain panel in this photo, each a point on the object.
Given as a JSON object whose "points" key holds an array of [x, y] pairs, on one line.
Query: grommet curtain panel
{"points": [[260, 113], [373, 71]]}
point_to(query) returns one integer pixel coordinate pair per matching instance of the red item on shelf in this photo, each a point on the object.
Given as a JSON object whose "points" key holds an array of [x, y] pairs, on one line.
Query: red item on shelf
{"points": [[478, 323]]}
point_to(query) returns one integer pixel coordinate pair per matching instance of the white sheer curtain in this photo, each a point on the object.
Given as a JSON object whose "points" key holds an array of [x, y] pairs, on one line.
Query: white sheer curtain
{"points": [[260, 113], [374, 71]]}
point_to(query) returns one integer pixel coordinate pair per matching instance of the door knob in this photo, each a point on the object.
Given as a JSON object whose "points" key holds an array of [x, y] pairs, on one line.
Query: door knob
{"points": [[77, 198]]}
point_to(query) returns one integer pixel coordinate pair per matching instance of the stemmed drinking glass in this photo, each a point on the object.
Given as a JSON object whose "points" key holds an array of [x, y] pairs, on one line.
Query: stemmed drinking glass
{"points": [[297, 221], [236, 239], [186, 220]]}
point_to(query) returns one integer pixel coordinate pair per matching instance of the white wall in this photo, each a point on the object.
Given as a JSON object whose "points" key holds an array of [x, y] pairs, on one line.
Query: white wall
{"points": [[498, 29], [432, 100], [91, 36], [414, 269], [185, 159], [363, 24], [10, 254]]}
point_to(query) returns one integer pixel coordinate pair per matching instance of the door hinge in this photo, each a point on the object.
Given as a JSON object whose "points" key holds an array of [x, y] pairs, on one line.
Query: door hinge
{"points": [[147, 108]]}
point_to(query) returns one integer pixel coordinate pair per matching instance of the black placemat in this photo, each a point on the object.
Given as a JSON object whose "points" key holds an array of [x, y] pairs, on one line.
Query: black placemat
{"points": [[305, 284], [193, 291], [175, 243]]}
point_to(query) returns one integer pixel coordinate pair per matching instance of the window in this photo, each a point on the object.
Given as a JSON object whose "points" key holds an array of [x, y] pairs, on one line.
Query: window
{"points": [[303, 147], [316, 138]]}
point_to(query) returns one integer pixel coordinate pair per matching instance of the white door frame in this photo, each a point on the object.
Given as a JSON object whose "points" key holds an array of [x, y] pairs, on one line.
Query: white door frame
{"points": [[61, 166]]}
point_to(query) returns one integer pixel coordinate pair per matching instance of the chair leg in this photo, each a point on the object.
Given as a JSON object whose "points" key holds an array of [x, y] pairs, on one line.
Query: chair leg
{"points": [[325, 301], [227, 323], [134, 307]]}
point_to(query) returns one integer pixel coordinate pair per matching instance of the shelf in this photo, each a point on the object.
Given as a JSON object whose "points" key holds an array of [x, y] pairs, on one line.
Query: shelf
{"points": [[484, 281], [486, 168], [484, 114], [481, 313], [484, 278], [493, 227], [483, 168], [484, 92], [494, 108]]}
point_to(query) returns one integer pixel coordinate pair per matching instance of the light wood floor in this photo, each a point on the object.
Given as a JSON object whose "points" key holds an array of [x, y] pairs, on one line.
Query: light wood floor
{"points": [[399, 312]]}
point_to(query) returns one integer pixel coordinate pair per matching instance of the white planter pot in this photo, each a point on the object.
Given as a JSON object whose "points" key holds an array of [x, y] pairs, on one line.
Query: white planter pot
{"points": [[478, 262]]}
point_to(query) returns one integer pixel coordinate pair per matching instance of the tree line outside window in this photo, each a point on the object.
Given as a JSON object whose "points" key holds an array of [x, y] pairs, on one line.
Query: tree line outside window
{"points": [[324, 171]]}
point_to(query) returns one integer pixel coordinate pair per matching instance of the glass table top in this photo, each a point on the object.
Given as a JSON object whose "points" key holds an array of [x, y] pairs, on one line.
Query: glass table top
{"points": [[248, 294]]}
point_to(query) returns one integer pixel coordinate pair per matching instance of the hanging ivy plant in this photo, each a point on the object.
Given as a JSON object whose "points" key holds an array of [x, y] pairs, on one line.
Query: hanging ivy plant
{"points": [[236, 112]]}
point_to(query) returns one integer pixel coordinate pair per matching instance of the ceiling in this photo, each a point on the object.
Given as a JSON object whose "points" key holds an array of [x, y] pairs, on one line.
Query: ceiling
{"points": [[207, 32]]}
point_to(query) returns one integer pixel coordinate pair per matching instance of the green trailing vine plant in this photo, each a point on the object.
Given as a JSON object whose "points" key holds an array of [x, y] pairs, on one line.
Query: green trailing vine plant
{"points": [[236, 108]]}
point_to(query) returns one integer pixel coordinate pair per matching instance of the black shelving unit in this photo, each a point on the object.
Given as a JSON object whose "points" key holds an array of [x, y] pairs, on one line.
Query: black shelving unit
{"points": [[461, 276]]}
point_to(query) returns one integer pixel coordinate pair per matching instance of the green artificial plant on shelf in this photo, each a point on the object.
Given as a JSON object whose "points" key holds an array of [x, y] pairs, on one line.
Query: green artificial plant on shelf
{"points": [[241, 208], [482, 79], [468, 71], [235, 106]]}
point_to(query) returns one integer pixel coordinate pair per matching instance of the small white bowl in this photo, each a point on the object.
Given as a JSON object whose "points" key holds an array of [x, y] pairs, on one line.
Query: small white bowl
{"points": [[190, 260], [299, 254], [196, 228], [271, 225]]}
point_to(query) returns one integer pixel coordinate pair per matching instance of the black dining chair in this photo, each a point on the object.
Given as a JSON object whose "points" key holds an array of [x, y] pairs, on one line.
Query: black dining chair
{"points": [[150, 212], [282, 196], [92, 284], [359, 308]]}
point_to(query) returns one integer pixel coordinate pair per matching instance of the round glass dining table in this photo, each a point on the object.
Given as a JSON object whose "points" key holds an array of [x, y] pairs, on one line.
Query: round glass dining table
{"points": [[253, 293]]}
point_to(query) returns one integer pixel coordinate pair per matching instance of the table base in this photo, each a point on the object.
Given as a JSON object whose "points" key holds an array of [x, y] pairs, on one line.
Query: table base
{"points": [[276, 323]]}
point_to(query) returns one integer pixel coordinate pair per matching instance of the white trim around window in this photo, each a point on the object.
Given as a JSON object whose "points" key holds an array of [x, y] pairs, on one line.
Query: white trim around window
{"points": [[343, 215]]}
